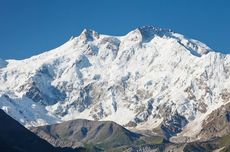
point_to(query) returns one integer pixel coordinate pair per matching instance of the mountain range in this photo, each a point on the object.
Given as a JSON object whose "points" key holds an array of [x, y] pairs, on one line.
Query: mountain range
{"points": [[152, 81]]}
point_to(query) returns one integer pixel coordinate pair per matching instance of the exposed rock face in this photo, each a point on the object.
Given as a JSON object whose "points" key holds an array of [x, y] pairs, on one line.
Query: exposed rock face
{"points": [[217, 124], [225, 95], [174, 125]]}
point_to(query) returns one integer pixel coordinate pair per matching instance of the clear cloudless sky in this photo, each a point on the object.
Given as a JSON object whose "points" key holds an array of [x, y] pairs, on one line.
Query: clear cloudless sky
{"points": [[29, 27]]}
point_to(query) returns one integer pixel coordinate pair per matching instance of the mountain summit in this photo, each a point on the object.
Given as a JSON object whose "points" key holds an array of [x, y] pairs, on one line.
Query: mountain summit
{"points": [[149, 79]]}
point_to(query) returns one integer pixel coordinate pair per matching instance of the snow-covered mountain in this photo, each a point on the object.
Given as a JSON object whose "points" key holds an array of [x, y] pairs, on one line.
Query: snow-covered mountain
{"points": [[149, 79]]}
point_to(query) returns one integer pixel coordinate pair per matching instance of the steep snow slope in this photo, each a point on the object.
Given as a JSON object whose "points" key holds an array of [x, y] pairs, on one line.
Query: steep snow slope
{"points": [[149, 78]]}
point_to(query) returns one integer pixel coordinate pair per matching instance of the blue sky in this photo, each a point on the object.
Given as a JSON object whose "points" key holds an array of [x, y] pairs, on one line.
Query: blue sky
{"points": [[29, 27]]}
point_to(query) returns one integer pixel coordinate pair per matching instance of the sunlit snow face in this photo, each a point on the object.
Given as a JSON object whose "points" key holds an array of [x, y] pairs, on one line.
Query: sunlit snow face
{"points": [[148, 77]]}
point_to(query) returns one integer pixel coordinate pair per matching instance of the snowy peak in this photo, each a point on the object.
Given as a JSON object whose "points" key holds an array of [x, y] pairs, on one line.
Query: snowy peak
{"points": [[148, 32], [88, 35], [145, 34], [154, 30]]}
